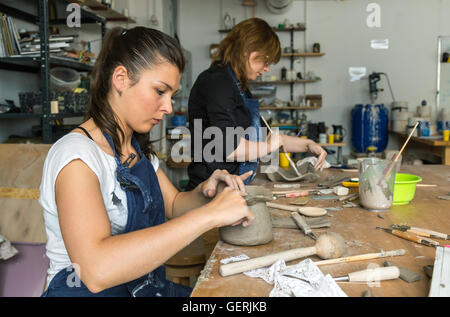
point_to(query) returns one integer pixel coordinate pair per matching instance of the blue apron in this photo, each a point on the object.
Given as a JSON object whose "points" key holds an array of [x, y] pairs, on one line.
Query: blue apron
{"points": [[145, 209], [252, 106]]}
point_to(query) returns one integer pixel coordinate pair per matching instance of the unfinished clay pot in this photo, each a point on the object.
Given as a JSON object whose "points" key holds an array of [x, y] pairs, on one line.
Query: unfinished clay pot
{"points": [[260, 230]]}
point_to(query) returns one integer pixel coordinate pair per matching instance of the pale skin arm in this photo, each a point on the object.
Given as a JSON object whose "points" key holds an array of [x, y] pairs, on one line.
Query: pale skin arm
{"points": [[104, 260], [248, 151]]}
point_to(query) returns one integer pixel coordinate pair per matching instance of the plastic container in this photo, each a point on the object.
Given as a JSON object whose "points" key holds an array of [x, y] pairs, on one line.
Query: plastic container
{"points": [[375, 190], [405, 188], [369, 127], [62, 78]]}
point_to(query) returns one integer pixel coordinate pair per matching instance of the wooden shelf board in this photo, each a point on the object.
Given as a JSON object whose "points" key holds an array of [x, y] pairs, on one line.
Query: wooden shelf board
{"points": [[302, 54], [32, 63], [300, 81], [333, 144], [275, 29], [103, 11], [288, 108]]}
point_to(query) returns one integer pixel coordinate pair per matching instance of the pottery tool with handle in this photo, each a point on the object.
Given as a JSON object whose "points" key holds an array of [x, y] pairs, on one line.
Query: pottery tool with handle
{"points": [[307, 211], [328, 245], [371, 275], [391, 165], [422, 232], [405, 274], [360, 257], [301, 223], [411, 237], [294, 166]]}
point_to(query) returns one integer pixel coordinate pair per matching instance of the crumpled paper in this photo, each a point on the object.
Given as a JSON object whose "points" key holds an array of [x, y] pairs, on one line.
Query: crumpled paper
{"points": [[6, 249], [301, 280]]}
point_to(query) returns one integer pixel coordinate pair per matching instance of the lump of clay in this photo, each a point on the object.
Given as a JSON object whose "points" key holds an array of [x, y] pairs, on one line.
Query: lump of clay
{"points": [[260, 230], [278, 174]]}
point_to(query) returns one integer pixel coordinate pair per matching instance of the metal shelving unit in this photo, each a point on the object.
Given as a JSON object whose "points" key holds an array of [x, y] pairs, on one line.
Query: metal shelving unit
{"points": [[41, 64]]}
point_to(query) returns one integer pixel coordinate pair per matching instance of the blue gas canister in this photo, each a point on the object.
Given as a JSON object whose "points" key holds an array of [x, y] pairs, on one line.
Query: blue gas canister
{"points": [[369, 127]]}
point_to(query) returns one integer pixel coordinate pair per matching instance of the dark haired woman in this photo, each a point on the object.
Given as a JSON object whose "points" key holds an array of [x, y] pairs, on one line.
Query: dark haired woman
{"points": [[220, 98], [105, 202]]}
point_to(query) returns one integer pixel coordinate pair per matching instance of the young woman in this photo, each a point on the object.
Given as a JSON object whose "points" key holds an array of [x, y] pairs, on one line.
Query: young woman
{"points": [[104, 198], [220, 98]]}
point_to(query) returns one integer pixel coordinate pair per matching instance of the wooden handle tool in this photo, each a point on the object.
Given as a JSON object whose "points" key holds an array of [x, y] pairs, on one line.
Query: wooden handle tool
{"points": [[301, 223], [411, 237], [287, 156], [360, 257], [422, 232], [391, 165], [371, 275], [328, 245], [307, 211]]}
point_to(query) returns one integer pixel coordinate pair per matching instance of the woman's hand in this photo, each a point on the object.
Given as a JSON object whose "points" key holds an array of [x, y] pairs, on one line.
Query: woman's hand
{"points": [[229, 208], [220, 179], [318, 151]]}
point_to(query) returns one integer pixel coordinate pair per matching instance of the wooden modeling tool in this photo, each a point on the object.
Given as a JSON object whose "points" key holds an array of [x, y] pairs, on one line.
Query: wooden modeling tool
{"points": [[391, 165], [328, 245], [422, 232], [411, 237], [371, 275], [307, 211], [360, 257], [287, 156]]}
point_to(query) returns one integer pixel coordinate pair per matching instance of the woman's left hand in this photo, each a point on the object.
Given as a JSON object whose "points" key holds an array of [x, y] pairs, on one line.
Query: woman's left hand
{"points": [[220, 179], [318, 151]]}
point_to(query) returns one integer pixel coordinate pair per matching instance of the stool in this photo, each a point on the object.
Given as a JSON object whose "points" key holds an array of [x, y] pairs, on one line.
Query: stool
{"points": [[186, 263]]}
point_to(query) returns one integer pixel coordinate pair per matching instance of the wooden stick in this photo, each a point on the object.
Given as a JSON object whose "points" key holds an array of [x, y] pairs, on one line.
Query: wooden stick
{"points": [[360, 257], [391, 165], [284, 151]]}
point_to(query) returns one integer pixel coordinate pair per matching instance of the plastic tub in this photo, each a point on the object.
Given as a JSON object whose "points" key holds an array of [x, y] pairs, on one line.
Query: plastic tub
{"points": [[405, 188], [62, 78]]}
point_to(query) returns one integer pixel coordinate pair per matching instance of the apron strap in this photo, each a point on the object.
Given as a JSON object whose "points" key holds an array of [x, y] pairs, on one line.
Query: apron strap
{"points": [[127, 180]]}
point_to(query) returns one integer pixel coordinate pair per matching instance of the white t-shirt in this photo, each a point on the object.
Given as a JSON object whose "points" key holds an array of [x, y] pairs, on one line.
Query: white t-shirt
{"points": [[70, 147]]}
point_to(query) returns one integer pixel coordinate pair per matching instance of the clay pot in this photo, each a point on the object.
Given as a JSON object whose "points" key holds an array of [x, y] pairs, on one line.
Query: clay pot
{"points": [[259, 231]]}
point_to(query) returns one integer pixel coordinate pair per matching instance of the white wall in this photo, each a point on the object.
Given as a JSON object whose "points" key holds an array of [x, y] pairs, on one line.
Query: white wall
{"points": [[412, 27]]}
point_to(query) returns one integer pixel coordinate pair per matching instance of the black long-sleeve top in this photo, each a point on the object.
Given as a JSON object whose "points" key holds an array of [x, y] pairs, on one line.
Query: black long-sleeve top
{"points": [[216, 101]]}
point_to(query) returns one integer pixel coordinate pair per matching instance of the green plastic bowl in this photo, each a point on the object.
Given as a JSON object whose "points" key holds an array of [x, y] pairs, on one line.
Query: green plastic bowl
{"points": [[405, 188]]}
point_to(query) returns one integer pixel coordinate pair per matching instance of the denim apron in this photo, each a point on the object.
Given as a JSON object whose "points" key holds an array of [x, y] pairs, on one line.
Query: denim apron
{"points": [[252, 106], [145, 209]]}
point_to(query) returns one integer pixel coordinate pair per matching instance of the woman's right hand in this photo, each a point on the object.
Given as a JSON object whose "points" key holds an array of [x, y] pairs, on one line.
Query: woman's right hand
{"points": [[230, 208]]}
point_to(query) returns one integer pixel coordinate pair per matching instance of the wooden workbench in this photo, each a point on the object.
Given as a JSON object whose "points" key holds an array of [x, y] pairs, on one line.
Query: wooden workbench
{"points": [[436, 147], [357, 227]]}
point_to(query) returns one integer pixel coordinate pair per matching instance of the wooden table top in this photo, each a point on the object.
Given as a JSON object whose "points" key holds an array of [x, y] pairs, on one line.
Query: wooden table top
{"points": [[429, 141], [357, 226]]}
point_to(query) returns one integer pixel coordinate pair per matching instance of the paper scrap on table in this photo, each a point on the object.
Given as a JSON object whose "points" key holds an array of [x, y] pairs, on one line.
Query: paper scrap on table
{"points": [[7, 250], [301, 280]]}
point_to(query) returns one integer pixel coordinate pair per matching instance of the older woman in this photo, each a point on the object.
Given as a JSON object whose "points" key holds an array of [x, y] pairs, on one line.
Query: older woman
{"points": [[220, 99]]}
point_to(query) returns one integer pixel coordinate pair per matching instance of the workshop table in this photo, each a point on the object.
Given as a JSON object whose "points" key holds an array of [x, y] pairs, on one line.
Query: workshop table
{"points": [[437, 147], [357, 226]]}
